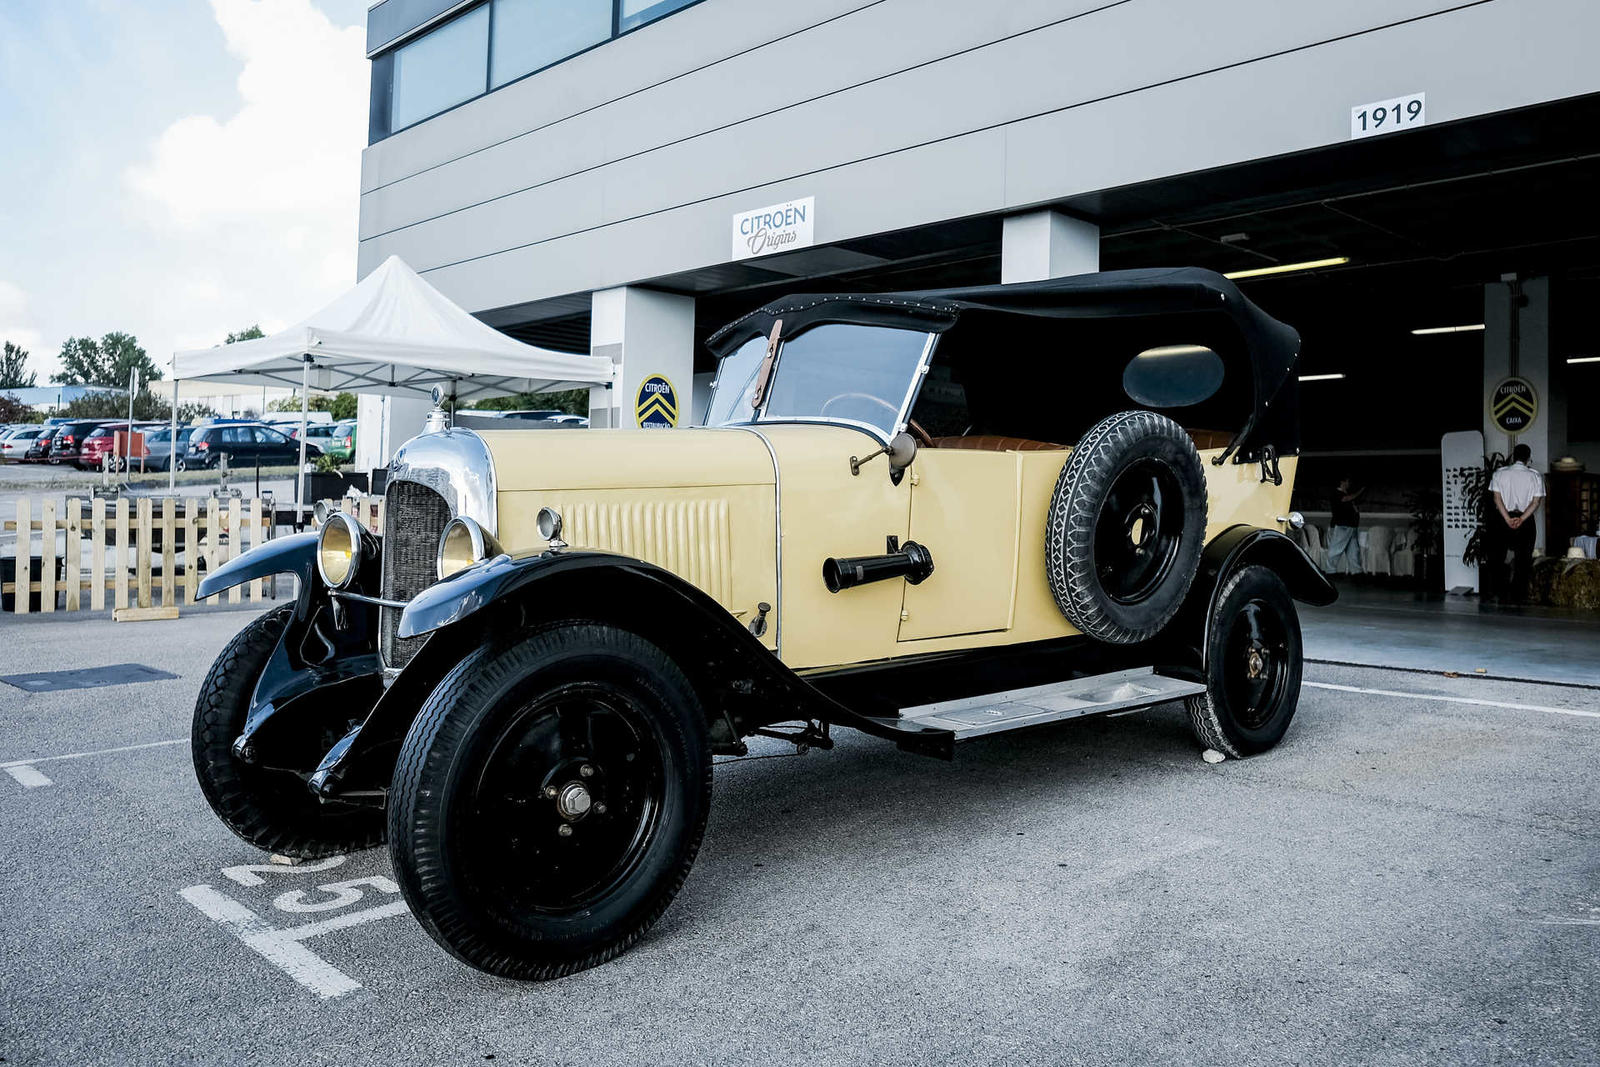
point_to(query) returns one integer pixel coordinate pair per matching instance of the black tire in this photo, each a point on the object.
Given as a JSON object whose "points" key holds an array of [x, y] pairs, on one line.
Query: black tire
{"points": [[1126, 527], [1253, 666], [475, 832], [272, 810]]}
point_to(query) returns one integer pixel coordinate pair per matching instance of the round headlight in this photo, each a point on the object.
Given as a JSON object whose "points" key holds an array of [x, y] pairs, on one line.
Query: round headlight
{"points": [[338, 547], [548, 523], [463, 544]]}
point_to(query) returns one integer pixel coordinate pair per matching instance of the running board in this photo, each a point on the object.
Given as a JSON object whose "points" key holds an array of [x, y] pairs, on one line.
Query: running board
{"points": [[1013, 709]]}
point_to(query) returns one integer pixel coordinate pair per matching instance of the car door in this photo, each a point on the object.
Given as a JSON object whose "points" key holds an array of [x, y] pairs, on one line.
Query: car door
{"points": [[273, 447]]}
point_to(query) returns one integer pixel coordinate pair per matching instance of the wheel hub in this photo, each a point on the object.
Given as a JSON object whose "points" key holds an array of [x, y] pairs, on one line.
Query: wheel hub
{"points": [[1256, 662], [573, 801]]}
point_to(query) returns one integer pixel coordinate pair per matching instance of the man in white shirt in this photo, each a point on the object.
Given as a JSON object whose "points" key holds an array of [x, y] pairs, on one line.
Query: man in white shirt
{"points": [[1518, 494]]}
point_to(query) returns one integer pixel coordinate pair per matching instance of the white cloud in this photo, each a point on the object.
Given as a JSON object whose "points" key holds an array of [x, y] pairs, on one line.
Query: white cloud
{"points": [[254, 212], [16, 325]]}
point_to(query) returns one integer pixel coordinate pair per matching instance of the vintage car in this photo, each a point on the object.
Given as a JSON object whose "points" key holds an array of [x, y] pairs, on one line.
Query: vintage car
{"points": [[925, 516]]}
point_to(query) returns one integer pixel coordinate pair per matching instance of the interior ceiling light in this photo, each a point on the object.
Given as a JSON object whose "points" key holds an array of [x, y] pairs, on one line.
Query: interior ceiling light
{"points": [[1285, 268], [1320, 377], [1583, 359], [1448, 329]]}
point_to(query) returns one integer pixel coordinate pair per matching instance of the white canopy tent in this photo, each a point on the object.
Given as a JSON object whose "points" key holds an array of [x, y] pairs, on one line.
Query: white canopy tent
{"points": [[392, 333]]}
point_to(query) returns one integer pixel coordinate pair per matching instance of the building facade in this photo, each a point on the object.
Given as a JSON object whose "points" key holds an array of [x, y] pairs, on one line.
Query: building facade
{"points": [[622, 177]]}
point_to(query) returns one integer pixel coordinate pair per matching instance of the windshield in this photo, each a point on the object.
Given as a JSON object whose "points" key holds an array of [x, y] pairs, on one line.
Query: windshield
{"points": [[837, 372]]}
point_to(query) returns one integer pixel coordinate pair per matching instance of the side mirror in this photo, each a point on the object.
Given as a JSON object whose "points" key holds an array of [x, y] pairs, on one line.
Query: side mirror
{"points": [[902, 450]]}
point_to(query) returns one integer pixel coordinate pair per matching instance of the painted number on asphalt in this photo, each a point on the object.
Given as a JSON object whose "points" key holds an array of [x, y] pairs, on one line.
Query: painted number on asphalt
{"points": [[284, 947]]}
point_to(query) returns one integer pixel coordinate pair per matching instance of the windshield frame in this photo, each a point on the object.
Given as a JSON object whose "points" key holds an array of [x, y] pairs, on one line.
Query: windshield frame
{"points": [[759, 417]]}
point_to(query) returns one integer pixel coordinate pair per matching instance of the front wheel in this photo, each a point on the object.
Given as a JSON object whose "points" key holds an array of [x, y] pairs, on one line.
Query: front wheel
{"points": [[271, 809], [1253, 664], [549, 800]]}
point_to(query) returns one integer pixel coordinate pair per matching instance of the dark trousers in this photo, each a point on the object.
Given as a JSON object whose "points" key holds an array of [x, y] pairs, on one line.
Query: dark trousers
{"points": [[1519, 543]]}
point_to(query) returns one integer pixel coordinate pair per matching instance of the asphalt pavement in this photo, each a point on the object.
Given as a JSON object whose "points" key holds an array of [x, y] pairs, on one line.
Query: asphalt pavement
{"points": [[1413, 876]]}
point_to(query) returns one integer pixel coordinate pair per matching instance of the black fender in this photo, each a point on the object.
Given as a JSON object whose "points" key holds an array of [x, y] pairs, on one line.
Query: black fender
{"points": [[1236, 547], [295, 554], [316, 652], [741, 682]]}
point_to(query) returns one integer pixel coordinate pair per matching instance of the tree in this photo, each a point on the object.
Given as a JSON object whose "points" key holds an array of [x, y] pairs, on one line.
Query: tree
{"points": [[14, 372], [13, 411], [571, 401], [147, 407], [249, 333], [341, 407], [108, 361]]}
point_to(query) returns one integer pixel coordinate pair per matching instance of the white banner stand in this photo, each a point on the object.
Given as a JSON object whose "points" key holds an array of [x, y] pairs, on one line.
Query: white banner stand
{"points": [[1461, 456]]}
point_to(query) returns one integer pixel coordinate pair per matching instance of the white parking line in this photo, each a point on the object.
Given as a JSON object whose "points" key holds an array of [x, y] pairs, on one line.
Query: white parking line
{"points": [[283, 948], [24, 771], [1456, 700]]}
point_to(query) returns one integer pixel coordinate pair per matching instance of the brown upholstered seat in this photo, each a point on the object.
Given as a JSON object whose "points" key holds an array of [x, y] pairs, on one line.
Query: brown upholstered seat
{"points": [[1208, 439], [983, 442]]}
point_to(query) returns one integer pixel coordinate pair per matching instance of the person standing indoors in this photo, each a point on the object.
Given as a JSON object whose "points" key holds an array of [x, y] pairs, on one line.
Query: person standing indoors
{"points": [[1344, 544], [1518, 494]]}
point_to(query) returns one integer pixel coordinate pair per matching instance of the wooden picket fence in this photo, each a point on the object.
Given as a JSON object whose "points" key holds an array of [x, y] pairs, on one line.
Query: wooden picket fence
{"points": [[141, 540]]}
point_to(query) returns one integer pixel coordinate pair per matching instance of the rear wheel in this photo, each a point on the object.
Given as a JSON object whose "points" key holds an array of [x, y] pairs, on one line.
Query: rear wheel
{"points": [[1253, 665], [271, 809], [549, 800]]}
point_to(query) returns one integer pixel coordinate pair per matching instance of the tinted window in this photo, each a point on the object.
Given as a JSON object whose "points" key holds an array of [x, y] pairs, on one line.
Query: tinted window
{"points": [[529, 34], [271, 438], [638, 12], [440, 69], [1173, 376], [236, 435]]}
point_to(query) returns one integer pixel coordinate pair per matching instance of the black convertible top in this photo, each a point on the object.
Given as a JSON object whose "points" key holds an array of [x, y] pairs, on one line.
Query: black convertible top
{"points": [[1182, 300]]}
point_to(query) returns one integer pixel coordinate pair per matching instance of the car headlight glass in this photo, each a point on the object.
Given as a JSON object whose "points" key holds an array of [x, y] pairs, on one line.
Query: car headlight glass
{"points": [[464, 544], [338, 547]]}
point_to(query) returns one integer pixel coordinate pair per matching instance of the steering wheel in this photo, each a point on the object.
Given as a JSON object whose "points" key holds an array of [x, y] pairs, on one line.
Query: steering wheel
{"points": [[882, 403], [921, 436]]}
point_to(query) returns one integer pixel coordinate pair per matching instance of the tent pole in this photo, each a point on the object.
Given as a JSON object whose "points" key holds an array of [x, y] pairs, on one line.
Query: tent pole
{"points": [[172, 440], [300, 476]]}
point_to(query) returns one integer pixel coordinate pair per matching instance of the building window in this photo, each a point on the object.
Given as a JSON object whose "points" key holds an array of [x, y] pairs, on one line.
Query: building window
{"points": [[491, 44], [632, 13], [530, 34], [440, 69]]}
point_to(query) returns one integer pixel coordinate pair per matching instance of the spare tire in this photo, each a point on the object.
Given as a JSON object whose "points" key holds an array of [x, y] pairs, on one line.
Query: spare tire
{"points": [[1126, 527]]}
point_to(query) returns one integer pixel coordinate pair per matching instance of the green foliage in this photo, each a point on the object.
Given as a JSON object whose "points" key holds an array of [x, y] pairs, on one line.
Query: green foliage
{"points": [[571, 401], [108, 361], [326, 464], [341, 407], [146, 406], [249, 333], [14, 372], [11, 411]]}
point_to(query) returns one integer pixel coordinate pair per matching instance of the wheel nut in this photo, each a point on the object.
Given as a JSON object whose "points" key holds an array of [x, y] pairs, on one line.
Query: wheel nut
{"points": [[565, 829], [600, 808], [550, 791], [586, 770]]}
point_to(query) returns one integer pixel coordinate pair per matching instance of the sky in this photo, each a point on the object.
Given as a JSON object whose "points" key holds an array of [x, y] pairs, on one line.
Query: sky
{"points": [[176, 169]]}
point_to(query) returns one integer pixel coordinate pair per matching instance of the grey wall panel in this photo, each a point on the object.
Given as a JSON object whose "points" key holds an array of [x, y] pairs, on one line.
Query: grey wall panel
{"points": [[684, 41], [950, 140], [1060, 65]]}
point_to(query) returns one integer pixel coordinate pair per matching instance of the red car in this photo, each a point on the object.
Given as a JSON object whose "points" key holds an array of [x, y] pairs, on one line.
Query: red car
{"points": [[100, 440]]}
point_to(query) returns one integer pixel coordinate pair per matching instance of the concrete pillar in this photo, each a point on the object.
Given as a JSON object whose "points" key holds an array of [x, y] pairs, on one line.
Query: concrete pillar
{"points": [[1047, 244], [1516, 343], [649, 335]]}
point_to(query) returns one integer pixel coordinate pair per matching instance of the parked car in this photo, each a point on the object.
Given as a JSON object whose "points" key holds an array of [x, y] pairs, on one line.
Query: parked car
{"points": [[159, 449], [100, 441], [245, 444], [521, 685], [341, 443], [67, 444], [39, 450], [15, 442], [317, 433]]}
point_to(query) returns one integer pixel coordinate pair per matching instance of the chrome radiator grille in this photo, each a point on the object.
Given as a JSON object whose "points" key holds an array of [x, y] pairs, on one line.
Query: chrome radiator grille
{"points": [[414, 517]]}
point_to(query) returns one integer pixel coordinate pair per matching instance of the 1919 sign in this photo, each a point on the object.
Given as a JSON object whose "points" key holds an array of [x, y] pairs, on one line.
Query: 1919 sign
{"points": [[1389, 116]]}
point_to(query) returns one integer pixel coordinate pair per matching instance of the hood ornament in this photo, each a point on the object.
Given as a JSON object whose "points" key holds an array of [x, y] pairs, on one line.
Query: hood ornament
{"points": [[438, 421]]}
